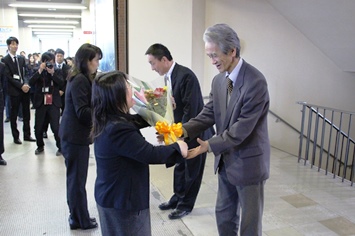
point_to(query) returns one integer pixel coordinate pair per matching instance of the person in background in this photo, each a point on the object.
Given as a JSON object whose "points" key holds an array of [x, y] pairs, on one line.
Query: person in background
{"points": [[37, 58], [74, 133], [23, 54], [188, 100], [238, 106], [60, 64], [2, 88], [18, 90], [31, 68], [69, 61], [47, 81], [64, 68], [51, 50], [123, 157]]}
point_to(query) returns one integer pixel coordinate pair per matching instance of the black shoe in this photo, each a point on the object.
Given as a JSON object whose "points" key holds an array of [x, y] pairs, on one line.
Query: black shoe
{"points": [[17, 141], [45, 135], [167, 206], [7, 120], [2, 162], [29, 139], [39, 150], [178, 214], [74, 225], [59, 153]]}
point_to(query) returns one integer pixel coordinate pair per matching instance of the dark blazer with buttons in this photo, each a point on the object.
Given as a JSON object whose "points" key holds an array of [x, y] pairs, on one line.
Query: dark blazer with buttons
{"points": [[123, 157], [13, 85], [76, 119], [242, 133], [54, 83]]}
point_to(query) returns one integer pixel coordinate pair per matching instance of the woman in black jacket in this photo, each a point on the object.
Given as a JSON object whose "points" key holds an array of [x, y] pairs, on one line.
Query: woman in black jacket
{"points": [[123, 157], [74, 133]]}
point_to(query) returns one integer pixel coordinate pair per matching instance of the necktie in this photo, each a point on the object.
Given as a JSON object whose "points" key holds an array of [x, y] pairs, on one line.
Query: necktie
{"points": [[16, 64], [18, 68], [166, 80], [230, 85], [60, 66]]}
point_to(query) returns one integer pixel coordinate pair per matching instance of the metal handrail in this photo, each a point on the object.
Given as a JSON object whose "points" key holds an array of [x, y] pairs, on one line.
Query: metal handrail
{"points": [[341, 136]]}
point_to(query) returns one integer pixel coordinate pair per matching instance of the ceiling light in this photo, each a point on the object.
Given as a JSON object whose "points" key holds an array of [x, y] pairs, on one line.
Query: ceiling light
{"points": [[50, 6], [49, 15], [51, 26], [51, 33], [54, 30], [50, 22]]}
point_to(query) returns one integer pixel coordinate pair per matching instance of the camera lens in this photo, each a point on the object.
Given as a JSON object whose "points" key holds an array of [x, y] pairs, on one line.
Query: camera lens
{"points": [[49, 65]]}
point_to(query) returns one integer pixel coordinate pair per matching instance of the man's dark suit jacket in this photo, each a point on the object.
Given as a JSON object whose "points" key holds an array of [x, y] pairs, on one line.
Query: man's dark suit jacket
{"points": [[188, 98], [39, 81], [75, 125], [13, 85]]}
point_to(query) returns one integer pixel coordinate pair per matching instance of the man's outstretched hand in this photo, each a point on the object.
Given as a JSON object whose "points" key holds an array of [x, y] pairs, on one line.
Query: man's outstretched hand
{"points": [[198, 150]]}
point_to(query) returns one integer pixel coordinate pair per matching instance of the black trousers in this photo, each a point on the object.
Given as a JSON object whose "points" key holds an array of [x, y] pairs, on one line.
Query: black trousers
{"points": [[187, 182], [77, 163], [44, 114], [15, 101]]}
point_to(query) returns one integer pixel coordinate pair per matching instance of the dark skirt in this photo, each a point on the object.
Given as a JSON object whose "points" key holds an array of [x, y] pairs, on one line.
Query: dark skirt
{"points": [[115, 222]]}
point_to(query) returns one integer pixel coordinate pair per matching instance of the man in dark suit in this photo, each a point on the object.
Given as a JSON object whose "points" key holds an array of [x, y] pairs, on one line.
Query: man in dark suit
{"points": [[18, 90], [64, 68], [241, 146], [2, 99], [60, 64], [188, 103]]}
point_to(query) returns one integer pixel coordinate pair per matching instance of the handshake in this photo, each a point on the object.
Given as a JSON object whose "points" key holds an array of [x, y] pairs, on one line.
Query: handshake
{"points": [[189, 153]]}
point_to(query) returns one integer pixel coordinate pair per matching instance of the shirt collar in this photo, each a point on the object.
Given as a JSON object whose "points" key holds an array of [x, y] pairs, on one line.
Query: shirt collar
{"points": [[234, 75], [12, 56], [170, 70]]}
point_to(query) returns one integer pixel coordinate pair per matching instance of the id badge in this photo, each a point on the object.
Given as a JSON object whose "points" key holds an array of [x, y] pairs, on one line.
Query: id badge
{"points": [[48, 99], [17, 77]]}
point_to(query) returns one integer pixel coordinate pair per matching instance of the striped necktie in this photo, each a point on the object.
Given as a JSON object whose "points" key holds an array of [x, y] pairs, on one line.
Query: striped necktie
{"points": [[230, 85]]}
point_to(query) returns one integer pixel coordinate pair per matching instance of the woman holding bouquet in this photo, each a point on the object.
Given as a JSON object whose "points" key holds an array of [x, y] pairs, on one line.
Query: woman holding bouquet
{"points": [[123, 157]]}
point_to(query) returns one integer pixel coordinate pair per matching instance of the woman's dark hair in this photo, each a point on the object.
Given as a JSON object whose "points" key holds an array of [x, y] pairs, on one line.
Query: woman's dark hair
{"points": [[109, 98], [47, 56], [85, 53]]}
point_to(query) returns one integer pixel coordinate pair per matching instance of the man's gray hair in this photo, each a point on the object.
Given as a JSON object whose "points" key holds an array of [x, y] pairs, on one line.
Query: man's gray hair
{"points": [[223, 36]]}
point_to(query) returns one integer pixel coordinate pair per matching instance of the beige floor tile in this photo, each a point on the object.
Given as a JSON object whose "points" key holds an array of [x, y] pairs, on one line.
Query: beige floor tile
{"points": [[299, 200], [340, 225]]}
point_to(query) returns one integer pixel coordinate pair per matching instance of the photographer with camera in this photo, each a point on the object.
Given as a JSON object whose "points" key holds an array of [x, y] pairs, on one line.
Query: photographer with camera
{"points": [[47, 82]]}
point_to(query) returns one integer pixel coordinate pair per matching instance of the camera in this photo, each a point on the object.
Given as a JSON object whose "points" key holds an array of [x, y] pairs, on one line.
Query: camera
{"points": [[49, 65]]}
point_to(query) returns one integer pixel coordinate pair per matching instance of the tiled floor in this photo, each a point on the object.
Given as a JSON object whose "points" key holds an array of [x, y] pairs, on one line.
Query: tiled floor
{"points": [[298, 200]]}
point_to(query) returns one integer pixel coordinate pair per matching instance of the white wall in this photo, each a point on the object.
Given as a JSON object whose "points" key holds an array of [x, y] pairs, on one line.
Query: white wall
{"points": [[295, 69], [157, 21], [8, 18]]}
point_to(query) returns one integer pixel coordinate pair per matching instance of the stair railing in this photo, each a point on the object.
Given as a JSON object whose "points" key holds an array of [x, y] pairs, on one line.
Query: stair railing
{"points": [[338, 152]]}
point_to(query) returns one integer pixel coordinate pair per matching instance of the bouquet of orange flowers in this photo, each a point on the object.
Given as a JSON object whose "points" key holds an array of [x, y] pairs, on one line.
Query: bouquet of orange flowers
{"points": [[154, 104]]}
